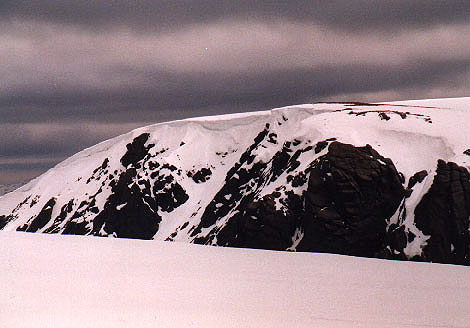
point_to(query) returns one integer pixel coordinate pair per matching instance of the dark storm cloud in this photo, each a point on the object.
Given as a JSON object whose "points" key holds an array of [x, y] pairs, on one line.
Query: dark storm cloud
{"points": [[32, 141], [22, 173], [194, 92], [27, 166], [352, 14], [55, 140], [27, 150], [73, 73]]}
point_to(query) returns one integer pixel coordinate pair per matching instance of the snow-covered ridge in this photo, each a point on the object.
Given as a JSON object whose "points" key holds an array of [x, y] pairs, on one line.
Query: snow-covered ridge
{"points": [[248, 180]]}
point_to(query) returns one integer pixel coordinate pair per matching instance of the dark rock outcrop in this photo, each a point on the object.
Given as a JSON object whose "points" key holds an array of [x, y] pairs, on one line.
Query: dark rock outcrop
{"points": [[260, 225], [132, 209], [200, 176], [137, 197], [443, 214], [136, 150], [3, 221], [126, 214], [417, 178], [352, 191], [41, 219], [253, 222], [236, 188], [384, 116]]}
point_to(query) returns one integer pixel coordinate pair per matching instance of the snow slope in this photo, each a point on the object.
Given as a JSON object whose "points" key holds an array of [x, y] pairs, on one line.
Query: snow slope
{"points": [[71, 281], [190, 179]]}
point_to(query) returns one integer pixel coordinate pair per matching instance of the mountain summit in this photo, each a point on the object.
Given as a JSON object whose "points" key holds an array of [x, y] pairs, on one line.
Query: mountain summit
{"points": [[377, 180]]}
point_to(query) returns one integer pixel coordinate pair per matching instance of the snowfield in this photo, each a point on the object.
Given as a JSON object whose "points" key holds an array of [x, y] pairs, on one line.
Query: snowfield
{"points": [[76, 281]]}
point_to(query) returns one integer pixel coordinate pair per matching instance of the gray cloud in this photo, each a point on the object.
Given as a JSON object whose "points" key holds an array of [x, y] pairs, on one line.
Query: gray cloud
{"points": [[28, 149], [22, 173], [73, 73], [54, 58], [353, 14], [36, 139], [192, 93]]}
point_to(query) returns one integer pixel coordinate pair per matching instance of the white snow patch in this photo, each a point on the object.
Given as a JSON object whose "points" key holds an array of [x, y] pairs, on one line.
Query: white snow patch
{"points": [[415, 247], [296, 239]]}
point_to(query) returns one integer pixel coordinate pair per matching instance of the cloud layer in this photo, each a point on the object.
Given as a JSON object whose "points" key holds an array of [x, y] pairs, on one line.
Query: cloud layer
{"points": [[160, 15], [68, 67]]}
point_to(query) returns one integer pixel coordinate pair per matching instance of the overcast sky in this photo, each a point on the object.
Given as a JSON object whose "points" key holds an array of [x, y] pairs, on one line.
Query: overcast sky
{"points": [[74, 72]]}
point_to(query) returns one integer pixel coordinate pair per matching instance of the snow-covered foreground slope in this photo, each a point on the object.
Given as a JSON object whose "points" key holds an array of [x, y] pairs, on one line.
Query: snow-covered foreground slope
{"points": [[70, 281], [376, 180]]}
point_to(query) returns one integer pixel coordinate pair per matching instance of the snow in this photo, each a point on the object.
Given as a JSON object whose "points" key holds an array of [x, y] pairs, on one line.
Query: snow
{"points": [[412, 143], [74, 281], [121, 206], [416, 246]]}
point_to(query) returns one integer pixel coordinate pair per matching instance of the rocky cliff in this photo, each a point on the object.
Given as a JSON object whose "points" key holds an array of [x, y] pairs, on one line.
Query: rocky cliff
{"points": [[375, 180]]}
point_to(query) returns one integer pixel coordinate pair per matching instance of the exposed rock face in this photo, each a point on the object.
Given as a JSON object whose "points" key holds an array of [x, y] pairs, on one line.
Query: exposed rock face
{"points": [[444, 213], [280, 181], [417, 178], [41, 219], [139, 193], [126, 214], [136, 150], [3, 221], [252, 221], [200, 176], [348, 196], [132, 210], [239, 184], [261, 226], [351, 193]]}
